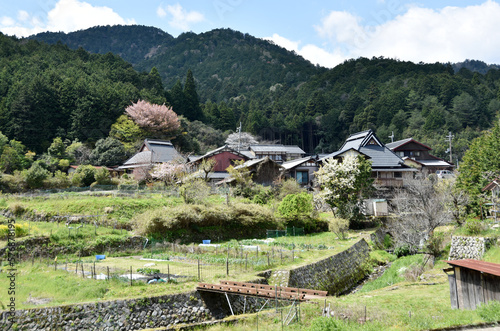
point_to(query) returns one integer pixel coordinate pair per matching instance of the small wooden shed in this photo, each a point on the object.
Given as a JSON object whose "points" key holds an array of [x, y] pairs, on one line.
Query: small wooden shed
{"points": [[472, 283]]}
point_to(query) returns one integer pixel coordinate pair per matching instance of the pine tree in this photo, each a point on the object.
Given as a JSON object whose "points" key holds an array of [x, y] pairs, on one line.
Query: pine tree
{"points": [[192, 101]]}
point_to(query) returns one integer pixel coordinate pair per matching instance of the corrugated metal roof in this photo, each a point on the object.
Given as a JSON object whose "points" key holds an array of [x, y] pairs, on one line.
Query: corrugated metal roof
{"points": [[492, 185], [290, 149], [398, 143], [293, 163], [485, 267], [224, 148]]}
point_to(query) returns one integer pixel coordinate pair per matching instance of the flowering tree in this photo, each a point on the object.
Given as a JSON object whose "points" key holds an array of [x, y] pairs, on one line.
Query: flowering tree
{"points": [[154, 118], [242, 141], [343, 183], [169, 172]]}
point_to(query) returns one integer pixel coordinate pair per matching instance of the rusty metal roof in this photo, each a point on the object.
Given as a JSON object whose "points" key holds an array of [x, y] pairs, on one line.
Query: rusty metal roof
{"points": [[485, 267]]}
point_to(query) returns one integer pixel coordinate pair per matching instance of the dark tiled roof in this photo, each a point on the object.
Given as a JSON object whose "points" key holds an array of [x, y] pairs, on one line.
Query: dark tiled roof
{"points": [[381, 156], [158, 152]]}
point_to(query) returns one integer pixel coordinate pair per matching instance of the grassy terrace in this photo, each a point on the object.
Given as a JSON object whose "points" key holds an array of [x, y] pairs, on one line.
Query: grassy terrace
{"points": [[401, 299], [42, 280]]}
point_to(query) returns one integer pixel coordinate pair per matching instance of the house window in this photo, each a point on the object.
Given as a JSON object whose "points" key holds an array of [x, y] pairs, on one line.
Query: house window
{"points": [[398, 174], [302, 177]]}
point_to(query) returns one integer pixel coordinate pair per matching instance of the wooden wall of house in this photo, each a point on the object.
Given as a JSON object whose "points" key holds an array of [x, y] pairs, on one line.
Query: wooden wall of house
{"points": [[224, 160], [469, 288]]}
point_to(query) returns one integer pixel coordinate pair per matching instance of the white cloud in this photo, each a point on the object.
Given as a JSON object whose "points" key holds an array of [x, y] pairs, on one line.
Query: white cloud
{"points": [[180, 18], [66, 16], [419, 34], [310, 52]]}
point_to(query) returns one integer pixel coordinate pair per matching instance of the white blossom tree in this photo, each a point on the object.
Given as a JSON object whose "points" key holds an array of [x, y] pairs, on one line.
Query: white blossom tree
{"points": [[169, 172], [241, 141], [343, 183]]}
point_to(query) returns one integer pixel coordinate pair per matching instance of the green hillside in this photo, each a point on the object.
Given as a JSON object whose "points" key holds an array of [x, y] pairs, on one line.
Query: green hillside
{"points": [[281, 97]]}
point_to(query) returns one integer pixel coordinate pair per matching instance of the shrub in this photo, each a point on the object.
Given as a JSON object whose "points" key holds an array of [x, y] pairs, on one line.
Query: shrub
{"points": [[21, 230], [388, 241], [473, 226], [434, 244], [194, 191], [263, 196], [13, 183], [58, 180], [17, 209], [36, 174], [404, 250], [339, 226], [102, 177], [84, 175], [158, 222], [295, 206], [287, 187]]}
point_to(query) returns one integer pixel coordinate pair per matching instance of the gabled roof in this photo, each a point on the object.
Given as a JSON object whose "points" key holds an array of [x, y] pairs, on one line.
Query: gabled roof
{"points": [[295, 163], [360, 139], [399, 143], [278, 148], [251, 163], [382, 157], [484, 267], [163, 151], [431, 162], [152, 151], [492, 185], [219, 150], [341, 152], [367, 143]]}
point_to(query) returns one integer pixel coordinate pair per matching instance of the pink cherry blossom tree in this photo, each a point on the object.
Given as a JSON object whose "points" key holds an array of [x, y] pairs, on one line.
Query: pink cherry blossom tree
{"points": [[157, 119]]}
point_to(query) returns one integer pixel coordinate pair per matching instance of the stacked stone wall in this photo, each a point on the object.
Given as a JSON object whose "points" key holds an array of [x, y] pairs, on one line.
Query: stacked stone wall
{"points": [[336, 274], [135, 314], [469, 247]]}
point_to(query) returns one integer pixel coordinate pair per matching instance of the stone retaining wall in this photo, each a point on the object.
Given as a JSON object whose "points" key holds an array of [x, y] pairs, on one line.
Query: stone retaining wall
{"points": [[135, 314], [336, 274], [35, 247], [469, 247]]}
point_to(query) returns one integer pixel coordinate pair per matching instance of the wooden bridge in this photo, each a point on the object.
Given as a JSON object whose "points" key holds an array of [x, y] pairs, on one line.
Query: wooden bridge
{"points": [[262, 291]]}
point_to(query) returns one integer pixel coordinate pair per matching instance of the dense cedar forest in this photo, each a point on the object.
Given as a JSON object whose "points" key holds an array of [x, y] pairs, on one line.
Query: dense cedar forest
{"points": [[220, 78]]}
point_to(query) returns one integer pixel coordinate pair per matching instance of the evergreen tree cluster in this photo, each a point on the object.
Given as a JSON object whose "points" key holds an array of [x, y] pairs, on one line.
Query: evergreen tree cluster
{"points": [[52, 91]]}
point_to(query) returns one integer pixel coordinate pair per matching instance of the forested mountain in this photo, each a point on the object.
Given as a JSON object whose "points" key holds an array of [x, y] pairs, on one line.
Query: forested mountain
{"points": [[279, 96], [49, 91], [133, 43], [475, 66], [225, 63]]}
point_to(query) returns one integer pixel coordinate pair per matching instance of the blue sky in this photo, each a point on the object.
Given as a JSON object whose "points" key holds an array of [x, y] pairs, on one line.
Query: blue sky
{"points": [[324, 32]]}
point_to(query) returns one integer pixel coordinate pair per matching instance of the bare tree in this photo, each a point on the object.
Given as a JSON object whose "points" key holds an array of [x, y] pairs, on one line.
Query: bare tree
{"points": [[419, 209]]}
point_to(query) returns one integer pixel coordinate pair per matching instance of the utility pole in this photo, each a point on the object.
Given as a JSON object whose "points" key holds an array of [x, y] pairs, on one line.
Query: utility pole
{"points": [[239, 140], [449, 138], [392, 137]]}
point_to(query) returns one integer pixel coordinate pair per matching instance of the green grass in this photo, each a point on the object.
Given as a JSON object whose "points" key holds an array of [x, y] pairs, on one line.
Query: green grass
{"points": [[120, 208], [394, 274]]}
